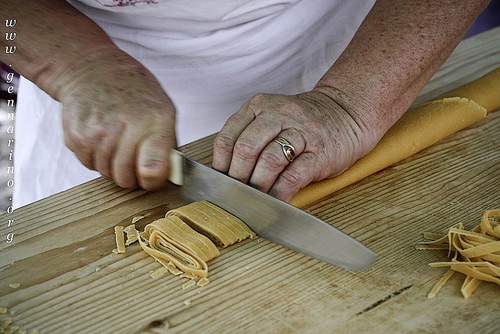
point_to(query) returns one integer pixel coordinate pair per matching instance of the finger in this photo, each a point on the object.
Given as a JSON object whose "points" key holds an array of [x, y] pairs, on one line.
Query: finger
{"points": [[272, 160], [296, 176], [85, 158], [68, 141], [83, 133], [103, 153], [81, 146], [226, 138], [123, 161], [249, 146], [153, 160], [75, 134]]}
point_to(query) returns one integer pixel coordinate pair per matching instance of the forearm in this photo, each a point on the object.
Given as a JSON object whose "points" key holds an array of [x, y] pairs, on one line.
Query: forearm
{"points": [[52, 38], [394, 53]]}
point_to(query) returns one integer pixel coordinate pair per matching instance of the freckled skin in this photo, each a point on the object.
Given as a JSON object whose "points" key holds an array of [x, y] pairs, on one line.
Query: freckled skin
{"points": [[95, 102], [399, 46], [119, 121], [116, 117], [397, 49]]}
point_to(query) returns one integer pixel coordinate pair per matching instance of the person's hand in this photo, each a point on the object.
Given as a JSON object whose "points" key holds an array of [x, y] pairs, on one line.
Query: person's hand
{"points": [[118, 120], [326, 138]]}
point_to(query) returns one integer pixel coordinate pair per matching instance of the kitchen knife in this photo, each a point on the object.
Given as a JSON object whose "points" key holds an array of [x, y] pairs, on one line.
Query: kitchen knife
{"points": [[269, 217]]}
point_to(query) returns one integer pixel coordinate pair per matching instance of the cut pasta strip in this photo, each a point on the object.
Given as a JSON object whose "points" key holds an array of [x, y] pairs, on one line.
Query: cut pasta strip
{"points": [[159, 272], [120, 241], [172, 240], [136, 219], [220, 226], [173, 269], [481, 250], [131, 234], [469, 286], [188, 284], [423, 247], [433, 236], [440, 283], [476, 253], [203, 281], [489, 223], [190, 276], [5, 324], [143, 236]]}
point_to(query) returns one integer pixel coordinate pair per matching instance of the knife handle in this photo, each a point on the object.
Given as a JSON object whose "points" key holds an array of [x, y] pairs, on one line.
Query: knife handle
{"points": [[176, 167]]}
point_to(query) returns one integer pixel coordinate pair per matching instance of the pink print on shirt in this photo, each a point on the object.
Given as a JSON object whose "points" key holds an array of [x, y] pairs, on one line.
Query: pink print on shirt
{"points": [[123, 3]]}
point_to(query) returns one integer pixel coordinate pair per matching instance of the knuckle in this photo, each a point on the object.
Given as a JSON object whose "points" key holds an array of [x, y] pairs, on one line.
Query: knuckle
{"points": [[88, 165], [272, 160], [85, 145], [258, 99], [126, 167], [159, 140], [103, 168], [105, 173], [80, 142], [245, 150], [290, 105], [223, 143], [96, 133], [292, 178], [124, 177], [85, 160]]}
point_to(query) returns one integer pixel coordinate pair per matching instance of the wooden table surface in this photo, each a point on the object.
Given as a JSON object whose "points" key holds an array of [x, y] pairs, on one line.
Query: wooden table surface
{"points": [[71, 282]]}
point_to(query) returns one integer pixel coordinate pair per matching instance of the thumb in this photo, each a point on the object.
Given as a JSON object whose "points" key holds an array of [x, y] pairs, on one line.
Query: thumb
{"points": [[153, 161]]}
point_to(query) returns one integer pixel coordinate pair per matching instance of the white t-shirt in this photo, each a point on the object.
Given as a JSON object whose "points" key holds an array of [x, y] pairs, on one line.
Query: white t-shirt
{"points": [[210, 56]]}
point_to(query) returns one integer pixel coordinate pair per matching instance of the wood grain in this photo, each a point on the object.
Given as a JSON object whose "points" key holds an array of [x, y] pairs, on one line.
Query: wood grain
{"points": [[72, 283]]}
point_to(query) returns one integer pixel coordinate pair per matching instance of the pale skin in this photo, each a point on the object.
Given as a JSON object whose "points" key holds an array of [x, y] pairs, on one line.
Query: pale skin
{"points": [[128, 138]]}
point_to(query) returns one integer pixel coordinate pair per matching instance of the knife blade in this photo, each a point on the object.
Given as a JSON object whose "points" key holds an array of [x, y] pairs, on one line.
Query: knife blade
{"points": [[269, 217]]}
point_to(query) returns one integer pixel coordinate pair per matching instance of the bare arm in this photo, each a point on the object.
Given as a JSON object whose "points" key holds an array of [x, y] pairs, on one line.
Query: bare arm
{"points": [[396, 50], [391, 57], [52, 37], [116, 117]]}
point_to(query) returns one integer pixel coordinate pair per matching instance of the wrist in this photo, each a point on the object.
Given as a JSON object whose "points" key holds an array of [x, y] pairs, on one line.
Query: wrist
{"points": [[362, 117], [63, 77]]}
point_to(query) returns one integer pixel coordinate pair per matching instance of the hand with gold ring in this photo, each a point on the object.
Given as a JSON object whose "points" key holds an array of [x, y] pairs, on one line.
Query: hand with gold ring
{"points": [[279, 144]]}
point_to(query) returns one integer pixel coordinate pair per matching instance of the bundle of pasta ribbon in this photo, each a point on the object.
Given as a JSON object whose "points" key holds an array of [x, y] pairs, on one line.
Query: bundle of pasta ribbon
{"points": [[221, 227], [182, 238], [476, 253], [172, 240]]}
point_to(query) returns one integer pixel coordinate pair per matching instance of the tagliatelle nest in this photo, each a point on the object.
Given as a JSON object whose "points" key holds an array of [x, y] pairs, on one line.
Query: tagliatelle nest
{"points": [[476, 253], [185, 240]]}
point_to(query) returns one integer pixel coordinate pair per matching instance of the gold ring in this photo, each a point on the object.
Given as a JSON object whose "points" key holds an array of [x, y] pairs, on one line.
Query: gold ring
{"points": [[288, 149]]}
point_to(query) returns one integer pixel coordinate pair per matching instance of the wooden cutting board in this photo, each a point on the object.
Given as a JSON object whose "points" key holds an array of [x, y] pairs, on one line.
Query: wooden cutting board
{"points": [[71, 282]]}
